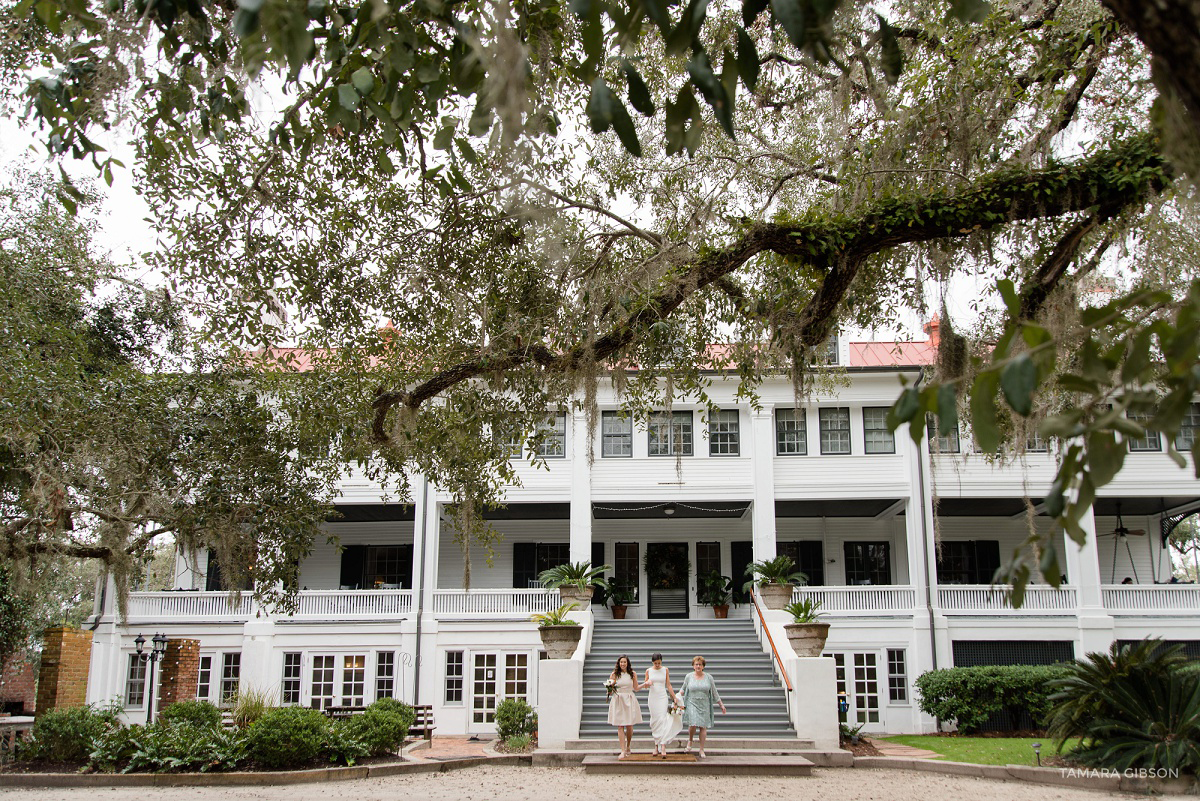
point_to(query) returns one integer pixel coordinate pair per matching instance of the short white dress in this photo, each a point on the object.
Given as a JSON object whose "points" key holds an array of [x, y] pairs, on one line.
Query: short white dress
{"points": [[663, 725], [623, 706]]}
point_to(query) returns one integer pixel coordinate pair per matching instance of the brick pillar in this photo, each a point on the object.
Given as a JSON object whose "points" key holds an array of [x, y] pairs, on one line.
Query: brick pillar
{"points": [[63, 676], [180, 674]]}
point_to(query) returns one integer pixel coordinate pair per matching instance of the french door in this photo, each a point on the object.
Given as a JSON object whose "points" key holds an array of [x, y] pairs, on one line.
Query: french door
{"points": [[494, 677], [667, 579], [858, 678]]}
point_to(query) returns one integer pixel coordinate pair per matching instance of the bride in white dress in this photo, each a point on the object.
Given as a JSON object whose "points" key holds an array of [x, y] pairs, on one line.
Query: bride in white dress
{"points": [[663, 725]]}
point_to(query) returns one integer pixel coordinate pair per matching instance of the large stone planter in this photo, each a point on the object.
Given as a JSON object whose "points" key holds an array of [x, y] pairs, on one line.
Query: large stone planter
{"points": [[581, 598], [807, 639], [560, 641], [775, 596]]}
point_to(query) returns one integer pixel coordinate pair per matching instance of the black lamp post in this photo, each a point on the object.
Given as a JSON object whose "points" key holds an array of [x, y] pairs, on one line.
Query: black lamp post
{"points": [[157, 649]]}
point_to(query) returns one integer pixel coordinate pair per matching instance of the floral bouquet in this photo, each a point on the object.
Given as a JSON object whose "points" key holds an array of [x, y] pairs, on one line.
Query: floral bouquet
{"points": [[611, 687], [676, 707]]}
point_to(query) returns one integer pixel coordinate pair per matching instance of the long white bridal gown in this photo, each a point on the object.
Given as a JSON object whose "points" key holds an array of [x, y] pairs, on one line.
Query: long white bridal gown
{"points": [[663, 725]]}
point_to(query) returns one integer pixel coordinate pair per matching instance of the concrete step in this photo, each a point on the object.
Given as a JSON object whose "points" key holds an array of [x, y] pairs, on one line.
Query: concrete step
{"points": [[689, 765], [781, 745]]}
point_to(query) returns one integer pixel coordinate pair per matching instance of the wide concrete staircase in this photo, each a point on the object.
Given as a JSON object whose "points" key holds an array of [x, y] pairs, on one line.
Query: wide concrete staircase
{"points": [[756, 702]]}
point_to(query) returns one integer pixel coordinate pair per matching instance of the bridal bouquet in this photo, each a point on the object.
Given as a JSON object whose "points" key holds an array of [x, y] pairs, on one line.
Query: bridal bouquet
{"points": [[676, 708], [611, 687]]}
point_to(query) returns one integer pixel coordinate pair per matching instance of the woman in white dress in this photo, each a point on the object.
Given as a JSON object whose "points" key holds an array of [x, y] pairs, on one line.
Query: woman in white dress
{"points": [[624, 711], [663, 725]]}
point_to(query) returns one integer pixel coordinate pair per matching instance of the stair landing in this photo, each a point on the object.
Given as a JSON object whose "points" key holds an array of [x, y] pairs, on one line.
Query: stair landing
{"points": [[689, 765]]}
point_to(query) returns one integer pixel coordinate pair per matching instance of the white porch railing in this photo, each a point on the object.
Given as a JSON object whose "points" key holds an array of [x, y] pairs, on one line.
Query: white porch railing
{"points": [[353, 605], [975, 598], [859, 600], [168, 606], [1133, 599], [500, 603]]}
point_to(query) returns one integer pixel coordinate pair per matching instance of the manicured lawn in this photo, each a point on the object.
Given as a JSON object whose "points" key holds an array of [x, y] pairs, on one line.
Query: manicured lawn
{"points": [[979, 750]]}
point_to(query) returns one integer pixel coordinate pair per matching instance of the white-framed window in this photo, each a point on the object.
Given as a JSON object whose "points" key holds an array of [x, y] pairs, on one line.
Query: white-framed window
{"points": [[670, 434], [616, 435], [454, 677], [354, 679], [509, 440], [516, 676], [897, 676], [1035, 444], [791, 432], [1150, 443], [385, 674], [1188, 428], [554, 436], [724, 434], [204, 679], [135, 681], [938, 443], [231, 676], [876, 436], [835, 429], [323, 669], [289, 687]]}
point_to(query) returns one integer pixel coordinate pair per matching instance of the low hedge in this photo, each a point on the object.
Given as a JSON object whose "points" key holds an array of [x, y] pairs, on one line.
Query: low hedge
{"points": [[288, 737], [970, 696], [382, 727], [67, 734]]}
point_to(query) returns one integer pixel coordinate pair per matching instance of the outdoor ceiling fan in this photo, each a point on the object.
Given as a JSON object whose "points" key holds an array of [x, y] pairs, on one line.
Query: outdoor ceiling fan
{"points": [[1122, 533]]}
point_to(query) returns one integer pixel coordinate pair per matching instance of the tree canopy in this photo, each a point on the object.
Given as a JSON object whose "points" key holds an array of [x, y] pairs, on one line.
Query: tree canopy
{"points": [[413, 183]]}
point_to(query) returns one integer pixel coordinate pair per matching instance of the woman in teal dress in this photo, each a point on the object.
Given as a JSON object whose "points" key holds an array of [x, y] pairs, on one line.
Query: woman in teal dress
{"points": [[700, 699]]}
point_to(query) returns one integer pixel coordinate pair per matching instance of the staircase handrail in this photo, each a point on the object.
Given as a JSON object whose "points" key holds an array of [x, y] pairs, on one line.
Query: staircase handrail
{"points": [[763, 622]]}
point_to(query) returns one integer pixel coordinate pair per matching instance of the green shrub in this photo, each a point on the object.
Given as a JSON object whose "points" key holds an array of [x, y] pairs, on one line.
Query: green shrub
{"points": [[198, 713], [514, 717], [971, 695], [286, 737], [518, 742], [113, 748], [1133, 707], [67, 735], [179, 745], [382, 727], [346, 743]]}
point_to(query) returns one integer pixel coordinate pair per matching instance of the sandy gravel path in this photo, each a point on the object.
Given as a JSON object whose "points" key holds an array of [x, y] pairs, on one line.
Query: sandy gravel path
{"points": [[505, 783]]}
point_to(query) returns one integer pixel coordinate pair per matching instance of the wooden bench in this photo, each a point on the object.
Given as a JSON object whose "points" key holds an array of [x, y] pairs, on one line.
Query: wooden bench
{"points": [[423, 724], [343, 712]]}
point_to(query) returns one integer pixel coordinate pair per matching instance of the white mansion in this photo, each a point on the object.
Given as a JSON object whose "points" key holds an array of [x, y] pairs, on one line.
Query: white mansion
{"points": [[899, 546]]}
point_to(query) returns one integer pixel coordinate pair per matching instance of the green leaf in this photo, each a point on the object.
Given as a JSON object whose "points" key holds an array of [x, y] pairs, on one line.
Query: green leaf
{"points": [[791, 15], [1137, 357], [623, 125], [947, 409], [600, 107], [751, 9], [348, 97], [712, 89], [1018, 380], [1105, 456], [983, 411], [970, 10], [444, 137], [678, 114], [902, 411], [245, 23], [1055, 500], [1063, 425], [1077, 383], [747, 59], [1009, 293], [639, 95], [893, 56], [656, 10], [363, 80], [1049, 563]]}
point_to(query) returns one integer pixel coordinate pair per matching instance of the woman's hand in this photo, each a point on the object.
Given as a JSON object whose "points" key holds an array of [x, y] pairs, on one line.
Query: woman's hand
{"points": [[722, 707]]}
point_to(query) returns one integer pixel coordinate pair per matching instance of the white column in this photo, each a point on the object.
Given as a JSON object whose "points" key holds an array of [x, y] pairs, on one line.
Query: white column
{"points": [[105, 673], [762, 454], [425, 636], [1083, 571], [581, 490]]}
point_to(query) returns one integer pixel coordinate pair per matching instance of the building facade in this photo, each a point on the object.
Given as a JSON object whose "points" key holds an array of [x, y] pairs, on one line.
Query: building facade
{"points": [[824, 481]]}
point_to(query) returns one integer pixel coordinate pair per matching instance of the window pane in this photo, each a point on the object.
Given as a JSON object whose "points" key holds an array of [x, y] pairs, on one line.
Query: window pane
{"points": [[616, 435], [723, 433], [626, 565], [135, 683], [290, 686], [708, 559], [791, 432], [939, 444], [897, 676], [454, 677], [868, 563], [231, 673], [1187, 428], [354, 676], [876, 437], [385, 674], [554, 430], [670, 435], [1147, 444], [322, 681], [204, 680], [509, 440], [835, 430]]}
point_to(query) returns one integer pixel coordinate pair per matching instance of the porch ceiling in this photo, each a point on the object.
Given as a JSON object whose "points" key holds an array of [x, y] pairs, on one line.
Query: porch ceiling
{"points": [[829, 507], [708, 509], [1009, 507], [373, 512]]}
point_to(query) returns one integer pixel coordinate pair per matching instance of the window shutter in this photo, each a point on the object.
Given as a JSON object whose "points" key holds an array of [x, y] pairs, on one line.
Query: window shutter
{"points": [[524, 564], [741, 554], [354, 565], [212, 576], [597, 554], [812, 562], [406, 566]]}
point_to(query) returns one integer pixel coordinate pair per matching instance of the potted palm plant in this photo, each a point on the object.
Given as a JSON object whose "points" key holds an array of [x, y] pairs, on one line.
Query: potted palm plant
{"points": [[575, 582], [560, 635], [716, 591], [806, 634], [617, 596], [774, 579]]}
